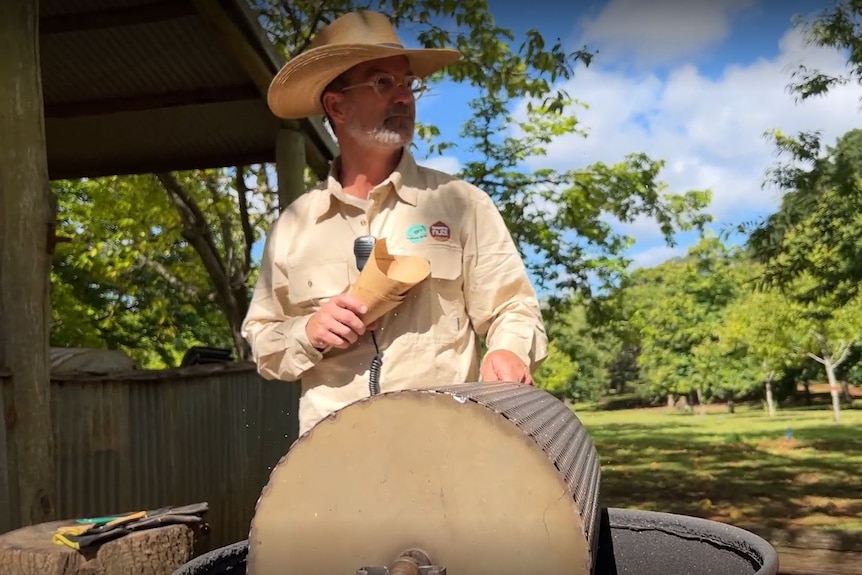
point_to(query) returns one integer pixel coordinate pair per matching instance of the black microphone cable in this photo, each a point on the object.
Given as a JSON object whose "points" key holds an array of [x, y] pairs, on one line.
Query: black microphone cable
{"points": [[362, 248]]}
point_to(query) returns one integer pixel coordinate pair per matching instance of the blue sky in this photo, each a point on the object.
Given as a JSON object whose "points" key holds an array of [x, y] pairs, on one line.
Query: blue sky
{"points": [[694, 83]]}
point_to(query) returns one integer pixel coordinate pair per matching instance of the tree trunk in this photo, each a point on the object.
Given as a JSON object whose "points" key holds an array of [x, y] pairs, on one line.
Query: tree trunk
{"points": [[833, 389], [27, 223], [770, 403], [670, 401], [731, 406], [845, 392], [236, 315], [701, 406], [233, 300]]}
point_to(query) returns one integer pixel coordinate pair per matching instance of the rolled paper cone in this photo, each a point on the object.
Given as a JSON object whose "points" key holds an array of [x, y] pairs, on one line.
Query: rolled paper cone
{"points": [[385, 280]]}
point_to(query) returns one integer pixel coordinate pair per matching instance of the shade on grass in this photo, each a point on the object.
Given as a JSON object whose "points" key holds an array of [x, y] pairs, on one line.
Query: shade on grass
{"points": [[797, 470]]}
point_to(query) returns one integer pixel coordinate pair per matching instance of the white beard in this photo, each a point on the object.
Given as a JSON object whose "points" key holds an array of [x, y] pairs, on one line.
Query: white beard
{"points": [[378, 137]]}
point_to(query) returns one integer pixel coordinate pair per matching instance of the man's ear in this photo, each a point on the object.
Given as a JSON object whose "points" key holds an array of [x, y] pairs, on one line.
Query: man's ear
{"points": [[333, 104]]}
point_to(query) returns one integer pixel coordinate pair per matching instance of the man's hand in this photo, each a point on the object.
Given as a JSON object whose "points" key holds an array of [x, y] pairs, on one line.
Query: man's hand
{"points": [[336, 323], [503, 365]]}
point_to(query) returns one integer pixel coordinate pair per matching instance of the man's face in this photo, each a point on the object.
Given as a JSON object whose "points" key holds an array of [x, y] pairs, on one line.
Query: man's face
{"points": [[382, 117]]}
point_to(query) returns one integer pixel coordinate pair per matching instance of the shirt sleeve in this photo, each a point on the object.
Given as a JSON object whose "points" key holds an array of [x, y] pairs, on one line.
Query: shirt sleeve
{"points": [[501, 301], [279, 343]]}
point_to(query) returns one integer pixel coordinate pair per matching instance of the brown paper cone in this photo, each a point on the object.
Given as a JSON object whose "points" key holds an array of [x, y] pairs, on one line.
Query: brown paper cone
{"points": [[385, 280]]}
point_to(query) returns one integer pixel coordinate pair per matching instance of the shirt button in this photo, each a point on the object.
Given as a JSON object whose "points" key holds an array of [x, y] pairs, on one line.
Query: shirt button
{"points": [[309, 283], [362, 222]]}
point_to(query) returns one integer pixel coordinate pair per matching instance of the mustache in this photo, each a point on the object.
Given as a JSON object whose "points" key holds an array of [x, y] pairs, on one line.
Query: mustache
{"points": [[399, 110]]}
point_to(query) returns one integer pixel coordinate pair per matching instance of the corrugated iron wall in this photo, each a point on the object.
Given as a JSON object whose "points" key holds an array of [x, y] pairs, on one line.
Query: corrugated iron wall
{"points": [[171, 438]]}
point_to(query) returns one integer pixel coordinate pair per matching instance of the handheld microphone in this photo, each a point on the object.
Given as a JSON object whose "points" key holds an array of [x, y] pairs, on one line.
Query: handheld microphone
{"points": [[362, 248]]}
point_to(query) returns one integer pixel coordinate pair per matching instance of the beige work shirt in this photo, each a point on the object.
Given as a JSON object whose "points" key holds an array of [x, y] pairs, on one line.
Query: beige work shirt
{"points": [[478, 286]]}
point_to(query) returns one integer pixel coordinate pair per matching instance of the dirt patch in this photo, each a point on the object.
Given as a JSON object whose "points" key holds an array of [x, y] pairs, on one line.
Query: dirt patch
{"points": [[782, 445], [807, 478], [823, 388], [830, 506]]}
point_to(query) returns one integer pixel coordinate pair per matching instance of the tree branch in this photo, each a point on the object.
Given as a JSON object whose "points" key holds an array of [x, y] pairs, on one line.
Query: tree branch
{"points": [[816, 358], [232, 299], [842, 353], [165, 274], [194, 222], [312, 25], [295, 22], [247, 230], [258, 221], [224, 219], [197, 233], [265, 191]]}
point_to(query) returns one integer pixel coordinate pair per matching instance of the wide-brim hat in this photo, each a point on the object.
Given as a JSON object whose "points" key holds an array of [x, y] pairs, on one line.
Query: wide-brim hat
{"points": [[350, 40]]}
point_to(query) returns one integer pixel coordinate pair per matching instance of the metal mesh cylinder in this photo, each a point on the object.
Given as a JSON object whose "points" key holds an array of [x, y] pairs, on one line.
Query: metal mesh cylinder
{"points": [[486, 479], [554, 428]]}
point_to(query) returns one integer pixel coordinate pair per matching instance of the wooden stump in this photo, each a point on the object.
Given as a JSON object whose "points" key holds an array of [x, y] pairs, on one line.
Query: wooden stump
{"points": [[158, 551]]}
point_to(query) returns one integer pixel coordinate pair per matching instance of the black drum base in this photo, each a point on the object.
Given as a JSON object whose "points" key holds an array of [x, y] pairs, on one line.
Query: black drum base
{"points": [[631, 542]]}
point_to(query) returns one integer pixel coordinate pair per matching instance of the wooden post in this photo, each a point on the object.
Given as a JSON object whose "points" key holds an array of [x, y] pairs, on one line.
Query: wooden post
{"points": [[27, 218], [290, 165]]}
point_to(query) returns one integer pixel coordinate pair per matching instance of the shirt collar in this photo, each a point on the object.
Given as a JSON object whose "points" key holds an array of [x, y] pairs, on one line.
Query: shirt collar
{"points": [[402, 181]]}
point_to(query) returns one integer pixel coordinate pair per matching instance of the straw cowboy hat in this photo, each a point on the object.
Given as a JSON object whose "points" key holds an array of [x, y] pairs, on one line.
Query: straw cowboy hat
{"points": [[352, 39]]}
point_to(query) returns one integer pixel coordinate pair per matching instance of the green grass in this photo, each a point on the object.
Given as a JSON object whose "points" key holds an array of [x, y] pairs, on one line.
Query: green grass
{"points": [[737, 468]]}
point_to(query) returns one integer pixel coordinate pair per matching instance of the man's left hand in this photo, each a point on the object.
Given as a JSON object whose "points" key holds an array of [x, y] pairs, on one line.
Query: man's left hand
{"points": [[503, 365]]}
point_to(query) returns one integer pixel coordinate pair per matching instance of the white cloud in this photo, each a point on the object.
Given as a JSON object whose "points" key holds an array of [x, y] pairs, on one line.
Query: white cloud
{"points": [[709, 131], [447, 164], [655, 255], [660, 31]]}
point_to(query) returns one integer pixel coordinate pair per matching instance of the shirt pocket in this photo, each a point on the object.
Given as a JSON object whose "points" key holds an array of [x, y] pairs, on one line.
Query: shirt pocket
{"points": [[313, 284], [444, 290]]}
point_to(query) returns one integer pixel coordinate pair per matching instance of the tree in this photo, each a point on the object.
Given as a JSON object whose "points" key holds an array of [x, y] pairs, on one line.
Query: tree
{"points": [[722, 375], [557, 373], [835, 27], [761, 328], [591, 348], [779, 329], [811, 249], [675, 310], [173, 273], [830, 332], [812, 232], [815, 230]]}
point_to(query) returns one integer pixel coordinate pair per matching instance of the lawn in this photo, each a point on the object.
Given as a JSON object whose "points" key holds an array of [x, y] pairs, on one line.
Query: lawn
{"points": [[796, 470]]}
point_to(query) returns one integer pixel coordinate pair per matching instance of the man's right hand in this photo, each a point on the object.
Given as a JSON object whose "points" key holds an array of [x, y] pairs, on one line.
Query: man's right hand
{"points": [[336, 323]]}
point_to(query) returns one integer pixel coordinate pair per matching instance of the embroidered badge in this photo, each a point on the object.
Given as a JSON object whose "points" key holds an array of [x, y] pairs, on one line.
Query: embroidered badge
{"points": [[416, 233], [440, 231]]}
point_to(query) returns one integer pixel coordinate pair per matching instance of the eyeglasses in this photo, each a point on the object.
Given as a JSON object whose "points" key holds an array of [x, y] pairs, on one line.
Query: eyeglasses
{"points": [[384, 84]]}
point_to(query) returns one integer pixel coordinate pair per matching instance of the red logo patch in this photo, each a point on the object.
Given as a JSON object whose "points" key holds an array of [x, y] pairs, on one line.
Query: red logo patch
{"points": [[440, 231]]}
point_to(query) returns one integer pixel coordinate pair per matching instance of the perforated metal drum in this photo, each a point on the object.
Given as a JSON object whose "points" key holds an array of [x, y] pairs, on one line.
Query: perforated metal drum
{"points": [[484, 479]]}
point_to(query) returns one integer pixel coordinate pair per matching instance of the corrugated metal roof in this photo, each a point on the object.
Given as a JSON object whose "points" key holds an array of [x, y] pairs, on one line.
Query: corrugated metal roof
{"points": [[50, 8], [145, 85], [146, 59], [228, 133]]}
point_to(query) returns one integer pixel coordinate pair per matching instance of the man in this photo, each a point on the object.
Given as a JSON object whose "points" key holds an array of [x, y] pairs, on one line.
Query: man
{"points": [[302, 324]]}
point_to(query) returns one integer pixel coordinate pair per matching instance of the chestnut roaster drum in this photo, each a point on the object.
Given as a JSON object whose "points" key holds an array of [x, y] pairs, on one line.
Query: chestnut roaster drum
{"points": [[472, 479]]}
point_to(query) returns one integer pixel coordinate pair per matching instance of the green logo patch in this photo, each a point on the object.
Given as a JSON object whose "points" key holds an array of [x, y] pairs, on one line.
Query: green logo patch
{"points": [[416, 233]]}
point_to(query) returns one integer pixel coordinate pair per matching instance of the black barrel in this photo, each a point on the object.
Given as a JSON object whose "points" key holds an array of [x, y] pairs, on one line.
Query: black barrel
{"points": [[630, 542]]}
